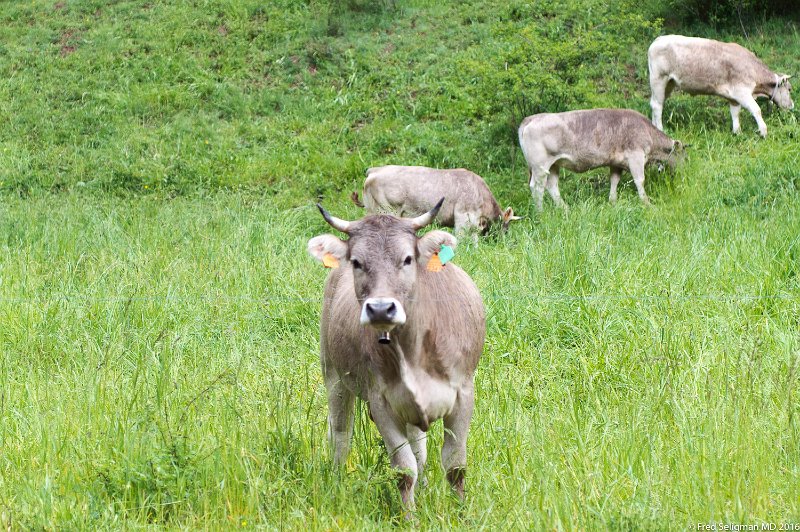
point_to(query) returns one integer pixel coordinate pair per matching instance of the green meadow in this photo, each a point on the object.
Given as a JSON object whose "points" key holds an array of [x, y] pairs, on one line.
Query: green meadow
{"points": [[159, 165]]}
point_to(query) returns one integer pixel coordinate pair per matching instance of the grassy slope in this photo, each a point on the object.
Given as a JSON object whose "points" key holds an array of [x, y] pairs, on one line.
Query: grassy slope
{"points": [[159, 355]]}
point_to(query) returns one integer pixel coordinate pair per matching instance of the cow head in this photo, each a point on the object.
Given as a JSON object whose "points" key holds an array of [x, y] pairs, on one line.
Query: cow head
{"points": [[677, 154], [385, 256], [782, 93], [508, 217], [501, 218]]}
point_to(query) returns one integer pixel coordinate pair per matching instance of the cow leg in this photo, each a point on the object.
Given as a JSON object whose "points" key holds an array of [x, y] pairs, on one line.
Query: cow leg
{"points": [[658, 89], [751, 105], [340, 415], [456, 427], [615, 176], [401, 455], [537, 183], [552, 187], [636, 166], [735, 110], [418, 439], [465, 223]]}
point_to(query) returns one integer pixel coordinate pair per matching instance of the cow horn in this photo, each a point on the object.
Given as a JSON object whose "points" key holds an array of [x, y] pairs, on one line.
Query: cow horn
{"points": [[421, 221], [336, 223]]}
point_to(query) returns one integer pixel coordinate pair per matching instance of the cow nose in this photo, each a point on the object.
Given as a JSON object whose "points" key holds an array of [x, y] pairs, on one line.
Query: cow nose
{"points": [[382, 313], [381, 310]]}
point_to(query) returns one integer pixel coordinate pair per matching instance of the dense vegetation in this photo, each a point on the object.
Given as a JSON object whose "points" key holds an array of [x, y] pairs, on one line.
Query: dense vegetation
{"points": [[158, 312]]}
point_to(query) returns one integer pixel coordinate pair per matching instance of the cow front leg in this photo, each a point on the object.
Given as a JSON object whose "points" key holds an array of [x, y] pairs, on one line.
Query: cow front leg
{"points": [[636, 166], [735, 110], [552, 188], [398, 446], [616, 173], [340, 417], [466, 224], [537, 182], [454, 450], [418, 439], [751, 105]]}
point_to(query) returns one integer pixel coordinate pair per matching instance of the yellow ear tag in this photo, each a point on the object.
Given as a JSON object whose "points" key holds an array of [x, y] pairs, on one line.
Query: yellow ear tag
{"points": [[434, 264], [329, 261]]}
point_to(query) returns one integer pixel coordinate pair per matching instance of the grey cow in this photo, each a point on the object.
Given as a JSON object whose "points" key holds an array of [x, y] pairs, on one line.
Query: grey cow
{"points": [[581, 140], [704, 66], [404, 339], [413, 190]]}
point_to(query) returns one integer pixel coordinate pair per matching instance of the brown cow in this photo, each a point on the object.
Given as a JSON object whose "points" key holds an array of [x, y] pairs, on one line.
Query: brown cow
{"points": [[413, 190], [704, 66], [581, 140], [381, 285]]}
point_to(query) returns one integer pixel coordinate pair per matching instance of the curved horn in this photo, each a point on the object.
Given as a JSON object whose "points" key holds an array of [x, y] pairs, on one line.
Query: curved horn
{"points": [[336, 223], [421, 221]]}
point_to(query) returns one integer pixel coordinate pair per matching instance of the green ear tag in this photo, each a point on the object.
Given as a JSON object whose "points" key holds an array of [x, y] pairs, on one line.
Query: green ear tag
{"points": [[446, 254]]}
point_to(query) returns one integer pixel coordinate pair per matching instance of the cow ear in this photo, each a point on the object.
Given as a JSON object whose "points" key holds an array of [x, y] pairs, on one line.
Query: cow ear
{"points": [[432, 242], [508, 215], [327, 249]]}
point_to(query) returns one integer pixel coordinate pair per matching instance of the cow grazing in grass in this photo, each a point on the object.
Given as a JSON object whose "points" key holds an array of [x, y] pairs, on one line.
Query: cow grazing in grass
{"points": [[581, 140], [402, 338], [413, 190], [704, 66]]}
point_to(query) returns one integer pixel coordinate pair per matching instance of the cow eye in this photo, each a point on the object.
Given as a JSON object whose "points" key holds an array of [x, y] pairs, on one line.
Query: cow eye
{"points": [[408, 261], [356, 264]]}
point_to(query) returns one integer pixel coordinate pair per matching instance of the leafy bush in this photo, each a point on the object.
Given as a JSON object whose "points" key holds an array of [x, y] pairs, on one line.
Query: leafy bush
{"points": [[722, 11], [551, 57]]}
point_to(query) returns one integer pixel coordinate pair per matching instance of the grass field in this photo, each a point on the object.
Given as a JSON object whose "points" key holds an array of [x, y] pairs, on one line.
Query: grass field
{"points": [[159, 314]]}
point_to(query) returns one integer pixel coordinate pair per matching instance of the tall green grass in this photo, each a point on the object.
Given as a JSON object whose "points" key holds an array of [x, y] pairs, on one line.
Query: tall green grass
{"points": [[159, 365]]}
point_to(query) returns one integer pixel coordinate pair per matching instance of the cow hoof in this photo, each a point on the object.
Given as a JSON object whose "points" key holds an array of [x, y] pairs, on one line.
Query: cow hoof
{"points": [[456, 479]]}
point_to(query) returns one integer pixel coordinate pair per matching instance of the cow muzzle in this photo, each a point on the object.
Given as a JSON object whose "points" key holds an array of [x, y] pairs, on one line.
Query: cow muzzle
{"points": [[382, 313]]}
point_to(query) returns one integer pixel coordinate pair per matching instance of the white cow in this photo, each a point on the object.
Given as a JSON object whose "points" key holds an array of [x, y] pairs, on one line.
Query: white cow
{"points": [[581, 140], [413, 190], [704, 66]]}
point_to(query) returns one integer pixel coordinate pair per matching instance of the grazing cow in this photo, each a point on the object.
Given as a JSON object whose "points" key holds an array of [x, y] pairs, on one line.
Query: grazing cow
{"points": [[704, 66], [581, 140], [413, 190], [402, 336]]}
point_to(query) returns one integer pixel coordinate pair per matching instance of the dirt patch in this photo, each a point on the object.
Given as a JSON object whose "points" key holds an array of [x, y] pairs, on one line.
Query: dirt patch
{"points": [[60, 6], [67, 43], [222, 30]]}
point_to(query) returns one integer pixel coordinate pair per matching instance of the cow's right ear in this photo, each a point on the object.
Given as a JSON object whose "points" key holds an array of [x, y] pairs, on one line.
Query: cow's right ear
{"points": [[328, 249]]}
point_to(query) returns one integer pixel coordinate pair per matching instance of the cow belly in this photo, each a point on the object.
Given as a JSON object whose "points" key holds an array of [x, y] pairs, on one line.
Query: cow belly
{"points": [[585, 164]]}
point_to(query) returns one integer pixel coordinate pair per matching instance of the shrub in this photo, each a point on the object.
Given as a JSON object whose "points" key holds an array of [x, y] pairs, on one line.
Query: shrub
{"points": [[558, 57], [722, 11]]}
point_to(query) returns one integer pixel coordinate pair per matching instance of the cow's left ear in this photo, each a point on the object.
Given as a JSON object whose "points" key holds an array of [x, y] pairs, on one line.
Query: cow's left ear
{"points": [[432, 242], [508, 215], [783, 77], [327, 249]]}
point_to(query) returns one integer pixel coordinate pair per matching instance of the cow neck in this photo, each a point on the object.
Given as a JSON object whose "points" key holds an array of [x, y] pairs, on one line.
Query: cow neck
{"points": [[405, 344], [765, 88], [406, 391]]}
